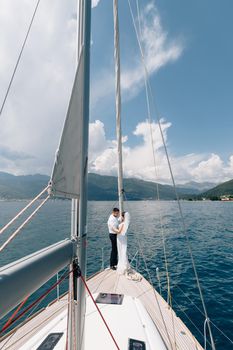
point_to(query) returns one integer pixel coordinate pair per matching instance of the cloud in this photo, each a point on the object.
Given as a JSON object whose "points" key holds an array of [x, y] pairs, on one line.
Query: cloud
{"points": [[32, 120], [139, 162], [159, 50], [34, 113], [95, 3], [8, 154]]}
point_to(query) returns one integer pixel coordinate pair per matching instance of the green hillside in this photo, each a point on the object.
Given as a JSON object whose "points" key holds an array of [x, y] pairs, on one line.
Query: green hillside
{"points": [[99, 187], [21, 187], [226, 188], [105, 188]]}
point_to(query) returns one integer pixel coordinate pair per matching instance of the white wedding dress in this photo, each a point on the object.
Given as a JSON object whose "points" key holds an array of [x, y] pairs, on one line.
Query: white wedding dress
{"points": [[123, 263]]}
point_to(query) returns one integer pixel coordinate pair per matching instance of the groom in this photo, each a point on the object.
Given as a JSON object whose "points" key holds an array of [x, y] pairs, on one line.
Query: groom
{"points": [[113, 224]]}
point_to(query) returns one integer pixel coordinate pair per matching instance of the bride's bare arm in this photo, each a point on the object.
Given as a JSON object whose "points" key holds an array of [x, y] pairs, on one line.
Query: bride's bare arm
{"points": [[120, 229]]}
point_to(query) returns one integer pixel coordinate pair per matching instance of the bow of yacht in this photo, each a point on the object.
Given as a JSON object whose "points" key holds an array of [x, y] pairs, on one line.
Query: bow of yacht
{"points": [[124, 311]]}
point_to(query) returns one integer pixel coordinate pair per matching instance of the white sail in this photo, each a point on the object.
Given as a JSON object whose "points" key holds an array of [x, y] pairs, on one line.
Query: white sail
{"points": [[65, 180]]}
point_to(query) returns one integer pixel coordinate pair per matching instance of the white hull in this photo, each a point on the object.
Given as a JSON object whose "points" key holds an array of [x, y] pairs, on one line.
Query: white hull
{"points": [[139, 317]]}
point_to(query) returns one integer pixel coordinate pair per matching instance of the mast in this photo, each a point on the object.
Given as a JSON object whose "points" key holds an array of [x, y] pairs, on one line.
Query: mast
{"points": [[118, 104], [84, 30]]}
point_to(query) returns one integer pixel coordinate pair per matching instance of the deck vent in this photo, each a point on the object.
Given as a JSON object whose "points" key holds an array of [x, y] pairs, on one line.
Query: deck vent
{"points": [[136, 345], [50, 341], [109, 298]]}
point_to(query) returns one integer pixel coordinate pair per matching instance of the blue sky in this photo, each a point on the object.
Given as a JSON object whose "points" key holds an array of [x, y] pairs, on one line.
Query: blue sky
{"points": [[194, 93], [189, 54]]}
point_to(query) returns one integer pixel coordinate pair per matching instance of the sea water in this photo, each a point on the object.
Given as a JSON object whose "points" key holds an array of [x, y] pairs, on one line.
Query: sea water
{"points": [[156, 235]]}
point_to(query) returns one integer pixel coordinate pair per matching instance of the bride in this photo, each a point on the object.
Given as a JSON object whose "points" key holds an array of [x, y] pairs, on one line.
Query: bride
{"points": [[123, 263]]}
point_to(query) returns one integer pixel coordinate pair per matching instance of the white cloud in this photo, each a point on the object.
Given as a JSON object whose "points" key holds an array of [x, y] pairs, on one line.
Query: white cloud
{"points": [[33, 117], [34, 113], [95, 3], [159, 50], [139, 162]]}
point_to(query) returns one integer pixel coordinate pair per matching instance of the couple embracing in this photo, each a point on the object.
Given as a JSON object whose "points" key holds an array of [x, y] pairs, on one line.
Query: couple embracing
{"points": [[117, 227]]}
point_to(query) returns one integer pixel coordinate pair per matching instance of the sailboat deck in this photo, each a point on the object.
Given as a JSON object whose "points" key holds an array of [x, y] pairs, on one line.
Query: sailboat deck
{"points": [[173, 331], [54, 318]]}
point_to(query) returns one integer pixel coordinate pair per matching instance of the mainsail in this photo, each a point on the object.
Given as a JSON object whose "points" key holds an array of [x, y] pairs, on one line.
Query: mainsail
{"points": [[65, 179]]}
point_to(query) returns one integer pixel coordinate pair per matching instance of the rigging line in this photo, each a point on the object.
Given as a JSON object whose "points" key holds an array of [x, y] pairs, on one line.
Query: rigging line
{"points": [[154, 292], [37, 300], [147, 269], [25, 334], [69, 311], [36, 306], [190, 320], [23, 210], [14, 314], [100, 313], [176, 285], [28, 316], [156, 176], [14, 234], [19, 57], [174, 185], [155, 166], [205, 335], [67, 322], [73, 311]]}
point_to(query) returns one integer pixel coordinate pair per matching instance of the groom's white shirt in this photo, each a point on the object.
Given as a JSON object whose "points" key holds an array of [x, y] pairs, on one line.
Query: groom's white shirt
{"points": [[113, 223]]}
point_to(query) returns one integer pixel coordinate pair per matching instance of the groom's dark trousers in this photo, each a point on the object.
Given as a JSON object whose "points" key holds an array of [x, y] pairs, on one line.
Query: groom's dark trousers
{"points": [[113, 256]]}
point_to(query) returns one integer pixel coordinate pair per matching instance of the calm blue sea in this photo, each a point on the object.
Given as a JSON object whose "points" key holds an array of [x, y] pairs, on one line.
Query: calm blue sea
{"points": [[210, 228]]}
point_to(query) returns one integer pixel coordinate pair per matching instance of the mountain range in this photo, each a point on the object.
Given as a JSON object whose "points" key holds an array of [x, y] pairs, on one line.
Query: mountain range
{"points": [[102, 187]]}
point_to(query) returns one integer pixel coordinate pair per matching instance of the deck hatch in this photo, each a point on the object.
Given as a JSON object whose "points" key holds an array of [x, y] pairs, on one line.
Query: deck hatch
{"points": [[110, 298], [50, 341], [135, 344]]}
